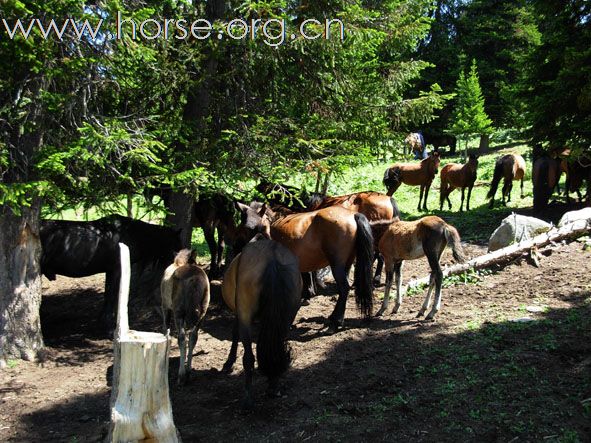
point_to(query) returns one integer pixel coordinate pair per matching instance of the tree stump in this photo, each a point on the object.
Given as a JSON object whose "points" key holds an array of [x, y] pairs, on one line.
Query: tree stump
{"points": [[140, 403]]}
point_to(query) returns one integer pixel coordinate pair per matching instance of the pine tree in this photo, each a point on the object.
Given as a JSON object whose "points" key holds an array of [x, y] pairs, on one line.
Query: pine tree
{"points": [[469, 117]]}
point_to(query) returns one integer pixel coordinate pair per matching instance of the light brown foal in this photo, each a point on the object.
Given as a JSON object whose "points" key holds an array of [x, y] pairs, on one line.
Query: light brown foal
{"points": [[402, 240]]}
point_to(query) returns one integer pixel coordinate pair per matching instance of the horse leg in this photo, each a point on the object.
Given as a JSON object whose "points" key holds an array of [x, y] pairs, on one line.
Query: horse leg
{"points": [[336, 319], [469, 195], [227, 368], [522, 188], [221, 244], [437, 274], [308, 288], [111, 296], [427, 187], [509, 190], [427, 297], [165, 318], [208, 233], [421, 197], [180, 327], [379, 266], [248, 364], [398, 274], [462, 202], [193, 337], [448, 200], [386, 301]]}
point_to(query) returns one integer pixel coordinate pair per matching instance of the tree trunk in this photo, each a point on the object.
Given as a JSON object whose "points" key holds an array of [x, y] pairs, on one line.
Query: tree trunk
{"points": [[140, 401], [180, 207], [20, 284], [484, 146], [466, 151]]}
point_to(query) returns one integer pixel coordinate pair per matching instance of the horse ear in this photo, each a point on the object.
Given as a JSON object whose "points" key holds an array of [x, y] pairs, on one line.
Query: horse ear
{"points": [[263, 210], [193, 257], [241, 207]]}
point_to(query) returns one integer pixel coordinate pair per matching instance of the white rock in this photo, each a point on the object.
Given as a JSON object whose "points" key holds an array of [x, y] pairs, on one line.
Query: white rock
{"points": [[515, 229], [580, 218]]}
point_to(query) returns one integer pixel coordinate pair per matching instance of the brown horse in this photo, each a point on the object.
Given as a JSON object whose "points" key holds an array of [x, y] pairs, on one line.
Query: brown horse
{"points": [[262, 281], [576, 172], [333, 237], [415, 174], [545, 176], [455, 175], [411, 240], [185, 292], [509, 167]]}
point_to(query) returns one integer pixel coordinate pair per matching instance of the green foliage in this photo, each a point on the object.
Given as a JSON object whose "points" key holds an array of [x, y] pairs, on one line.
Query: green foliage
{"points": [[469, 116], [558, 80]]}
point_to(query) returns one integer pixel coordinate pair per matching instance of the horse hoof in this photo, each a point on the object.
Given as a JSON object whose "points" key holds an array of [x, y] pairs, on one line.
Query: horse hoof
{"points": [[419, 315], [226, 369], [379, 313]]}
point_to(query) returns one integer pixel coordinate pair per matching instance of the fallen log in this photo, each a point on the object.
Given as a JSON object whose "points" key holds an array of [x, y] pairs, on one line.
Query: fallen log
{"points": [[505, 255], [140, 402]]}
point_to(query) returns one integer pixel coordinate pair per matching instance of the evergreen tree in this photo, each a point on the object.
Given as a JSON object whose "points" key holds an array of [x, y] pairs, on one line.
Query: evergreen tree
{"points": [[469, 117]]}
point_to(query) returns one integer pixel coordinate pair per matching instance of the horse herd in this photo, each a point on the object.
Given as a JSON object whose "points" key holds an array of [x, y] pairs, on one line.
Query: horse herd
{"points": [[275, 249]]}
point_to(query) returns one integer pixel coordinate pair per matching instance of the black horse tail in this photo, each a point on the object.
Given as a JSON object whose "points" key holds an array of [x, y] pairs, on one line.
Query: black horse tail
{"points": [[453, 240], [541, 191], [363, 263], [395, 209], [497, 175], [280, 300]]}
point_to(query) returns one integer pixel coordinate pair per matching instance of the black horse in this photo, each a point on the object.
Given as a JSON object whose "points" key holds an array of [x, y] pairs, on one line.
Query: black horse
{"points": [[439, 140], [80, 249]]}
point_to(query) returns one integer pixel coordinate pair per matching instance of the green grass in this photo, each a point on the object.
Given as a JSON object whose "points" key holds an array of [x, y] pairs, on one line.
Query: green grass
{"points": [[475, 225]]}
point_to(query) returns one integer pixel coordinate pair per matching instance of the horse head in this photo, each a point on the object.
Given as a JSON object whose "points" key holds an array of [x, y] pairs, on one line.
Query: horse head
{"points": [[254, 219], [432, 162]]}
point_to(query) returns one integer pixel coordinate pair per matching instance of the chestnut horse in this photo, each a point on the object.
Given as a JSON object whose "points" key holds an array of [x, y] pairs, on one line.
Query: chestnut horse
{"points": [[333, 237], [510, 167], [455, 175], [414, 174], [262, 282], [185, 292], [411, 240]]}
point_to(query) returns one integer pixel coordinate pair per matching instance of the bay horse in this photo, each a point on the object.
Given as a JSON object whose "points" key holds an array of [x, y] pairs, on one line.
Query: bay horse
{"points": [[510, 167], [262, 282], [332, 236], [455, 175], [84, 248], [374, 205], [414, 174], [185, 292], [402, 240], [577, 171], [545, 176]]}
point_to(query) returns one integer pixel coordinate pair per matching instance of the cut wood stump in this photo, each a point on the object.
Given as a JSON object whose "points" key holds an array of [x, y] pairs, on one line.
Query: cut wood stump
{"points": [[140, 402]]}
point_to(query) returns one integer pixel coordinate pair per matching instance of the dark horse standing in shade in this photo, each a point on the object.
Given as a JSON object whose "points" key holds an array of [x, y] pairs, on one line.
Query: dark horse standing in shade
{"points": [[545, 176], [80, 249], [334, 237], [262, 282]]}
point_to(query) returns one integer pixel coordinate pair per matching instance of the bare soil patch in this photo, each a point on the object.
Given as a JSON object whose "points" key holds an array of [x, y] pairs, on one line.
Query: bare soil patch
{"points": [[472, 375]]}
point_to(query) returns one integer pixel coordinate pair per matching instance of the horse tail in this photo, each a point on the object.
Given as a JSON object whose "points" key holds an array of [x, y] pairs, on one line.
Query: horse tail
{"points": [[497, 175], [395, 209], [540, 175], [453, 240], [280, 299], [363, 264]]}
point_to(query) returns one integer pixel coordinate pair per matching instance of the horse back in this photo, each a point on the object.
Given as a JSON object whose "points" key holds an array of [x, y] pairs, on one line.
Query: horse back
{"points": [[77, 249], [518, 166], [374, 205]]}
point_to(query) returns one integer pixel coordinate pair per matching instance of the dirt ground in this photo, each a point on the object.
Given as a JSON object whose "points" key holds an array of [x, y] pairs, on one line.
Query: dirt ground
{"points": [[474, 374]]}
